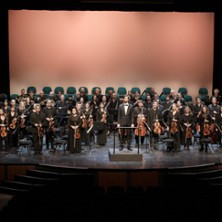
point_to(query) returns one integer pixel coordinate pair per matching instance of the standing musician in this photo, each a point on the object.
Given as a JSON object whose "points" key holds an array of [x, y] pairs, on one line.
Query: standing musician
{"points": [[197, 111], [140, 118], [187, 125], [13, 131], [154, 122], [50, 123], [31, 96], [148, 102], [98, 95], [74, 137], [42, 99], [112, 108], [22, 119], [37, 120], [95, 105], [204, 122], [167, 103], [125, 119], [22, 96], [174, 126], [13, 104], [216, 94], [104, 101], [82, 94], [61, 108], [6, 107], [3, 129], [214, 108], [102, 116]]}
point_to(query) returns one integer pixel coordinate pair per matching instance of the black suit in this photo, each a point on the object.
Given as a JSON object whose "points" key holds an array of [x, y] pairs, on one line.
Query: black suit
{"points": [[125, 119]]}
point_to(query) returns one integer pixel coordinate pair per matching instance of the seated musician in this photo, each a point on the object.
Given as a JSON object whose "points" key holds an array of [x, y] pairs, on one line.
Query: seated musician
{"points": [[187, 122], [140, 114], [4, 130], [74, 136], [37, 121], [154, 120]]}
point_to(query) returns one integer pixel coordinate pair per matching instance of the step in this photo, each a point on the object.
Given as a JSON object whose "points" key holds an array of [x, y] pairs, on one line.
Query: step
{"points": [[11, 191], [35, 180], [42, 174], [22, 185]]}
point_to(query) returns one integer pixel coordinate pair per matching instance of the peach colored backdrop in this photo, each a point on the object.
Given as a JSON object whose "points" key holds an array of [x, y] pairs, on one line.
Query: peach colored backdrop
{"points": [[92, 48]]}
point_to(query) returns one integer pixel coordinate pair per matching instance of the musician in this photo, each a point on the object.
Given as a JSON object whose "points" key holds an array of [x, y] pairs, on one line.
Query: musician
{"points": [[174, 126], [180, 107], [154, 115], [74, 136], [204, 122], [13, 104], [187, 122], [167, 103], [98, 95], [180, 98], [53, 98], [101, 116], [214, 108], [50, 122], [71, 103], [82, 94], [86, 114], [109, 96], [197, 109], [61, 107], [216, 94], [125, 119], [37, 121], [4, 131], [95, 105], [104, 101], [41, 99], [173, 95], [13, 132], [22, 119], [135, 99], [140, 112], [148, 102], [6, 107], [58, 96], [31, 96], [22, 96]]}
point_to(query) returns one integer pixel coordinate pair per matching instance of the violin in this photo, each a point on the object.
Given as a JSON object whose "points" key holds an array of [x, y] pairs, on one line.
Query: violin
{"points": [[84, 124], [158, 129], [51, 124], [141, 129], [77, 133], [13, 123], [104, 116], [198, 127], [173, 128], [40, 131], [3, 131]]}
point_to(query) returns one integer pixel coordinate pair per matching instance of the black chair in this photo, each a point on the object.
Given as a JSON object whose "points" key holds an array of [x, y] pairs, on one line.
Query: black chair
{"points": [[169, 142]]}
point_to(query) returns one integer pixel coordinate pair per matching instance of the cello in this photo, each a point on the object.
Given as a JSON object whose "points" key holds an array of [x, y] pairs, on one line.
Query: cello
{"points": [[141, 129]]}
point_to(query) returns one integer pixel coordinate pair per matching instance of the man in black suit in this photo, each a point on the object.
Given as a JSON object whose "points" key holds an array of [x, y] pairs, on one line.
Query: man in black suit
{"points": [[125, 119]]}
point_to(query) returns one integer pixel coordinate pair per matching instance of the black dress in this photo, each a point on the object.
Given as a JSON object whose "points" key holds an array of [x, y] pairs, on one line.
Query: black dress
{"points": [[4, 121], [74, 144], [189, 120], [13, 133], [175, 136], [101, 134]]}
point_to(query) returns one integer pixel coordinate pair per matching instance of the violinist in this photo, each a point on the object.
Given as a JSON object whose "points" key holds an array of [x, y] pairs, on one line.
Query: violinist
{"points": [[214, 108], [197, 111], [95, 106], [14, 104], [82, 94], [140, 115], [187, 125], [3, 130], [101, 116], [204, 122], [6, 107], [22, 119], [50, 122], [31, 97], [23, 96], [167, 103], [148, 102], [13, 132], [154, 116], [37, 120], [41, 99], [216, 94], [85, 119], [74, 136], [173, 128]]}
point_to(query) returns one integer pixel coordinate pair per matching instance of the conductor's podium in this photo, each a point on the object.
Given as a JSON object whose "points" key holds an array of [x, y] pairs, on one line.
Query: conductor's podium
{"points": [[125, 155]]}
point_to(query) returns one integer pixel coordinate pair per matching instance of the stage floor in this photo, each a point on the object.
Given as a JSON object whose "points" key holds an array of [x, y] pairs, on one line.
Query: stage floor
{"points": [[99, 157]]}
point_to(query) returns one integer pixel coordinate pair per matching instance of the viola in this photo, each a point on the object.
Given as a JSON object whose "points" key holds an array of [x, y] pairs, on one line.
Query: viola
{"points": [[198, 127], [141, 129], [3, 131], [77, 133], [51, 124], [104, 118], [84, 124], [158, 129], [188, 132], [173, 128], [13, 124]]}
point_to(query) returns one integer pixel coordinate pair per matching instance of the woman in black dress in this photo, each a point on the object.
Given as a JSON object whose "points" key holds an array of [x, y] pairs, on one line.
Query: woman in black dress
{"points": [[174, 126], [4, 131], [101, 116], [74, 137], [187, 122]]}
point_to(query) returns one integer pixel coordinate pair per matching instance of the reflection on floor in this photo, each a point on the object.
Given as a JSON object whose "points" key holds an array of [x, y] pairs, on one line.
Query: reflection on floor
{"points": [[98, 157]]}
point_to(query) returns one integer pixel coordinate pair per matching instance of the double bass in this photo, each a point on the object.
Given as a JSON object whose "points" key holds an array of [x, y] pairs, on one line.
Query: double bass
{"points": [[141, 128]]}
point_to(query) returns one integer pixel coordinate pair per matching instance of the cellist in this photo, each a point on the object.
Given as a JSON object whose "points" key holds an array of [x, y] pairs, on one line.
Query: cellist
{"points": [[140, 114], [187, 122]]}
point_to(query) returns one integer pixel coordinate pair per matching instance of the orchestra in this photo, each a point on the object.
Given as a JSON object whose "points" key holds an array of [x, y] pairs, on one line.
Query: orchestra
{"points": [[134, 117]]}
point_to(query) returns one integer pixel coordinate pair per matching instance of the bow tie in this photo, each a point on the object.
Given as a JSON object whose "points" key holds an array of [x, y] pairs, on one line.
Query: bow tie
{"points": [[126, 105]]}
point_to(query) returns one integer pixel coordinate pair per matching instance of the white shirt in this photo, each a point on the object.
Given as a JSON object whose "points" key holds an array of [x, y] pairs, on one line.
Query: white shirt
{"points": [[126, 105]]}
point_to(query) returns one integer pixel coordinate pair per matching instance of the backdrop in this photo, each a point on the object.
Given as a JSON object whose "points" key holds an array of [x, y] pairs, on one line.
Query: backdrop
{"points": [[101, 48]]}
